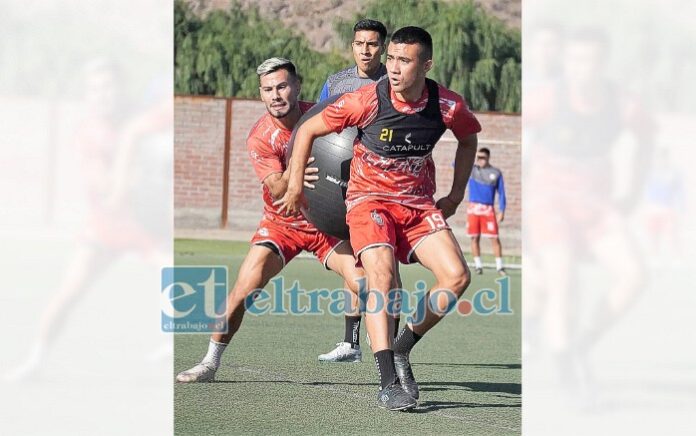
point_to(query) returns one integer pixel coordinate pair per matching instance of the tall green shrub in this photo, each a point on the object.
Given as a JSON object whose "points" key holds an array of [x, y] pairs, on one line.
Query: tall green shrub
{"points": [[474, 53]]}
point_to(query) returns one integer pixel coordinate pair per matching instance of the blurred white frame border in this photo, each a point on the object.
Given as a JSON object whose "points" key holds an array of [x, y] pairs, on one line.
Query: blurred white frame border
{"points": [[86, 223], [609, 113]]}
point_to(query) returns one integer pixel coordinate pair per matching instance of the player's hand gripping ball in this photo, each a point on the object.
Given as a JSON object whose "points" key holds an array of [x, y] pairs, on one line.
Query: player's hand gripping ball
{"points": [[326, 207]]}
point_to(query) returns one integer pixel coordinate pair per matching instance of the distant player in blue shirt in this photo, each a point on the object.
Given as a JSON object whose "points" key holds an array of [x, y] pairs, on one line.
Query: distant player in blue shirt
{"points": [[369, 41], [485, 180]]}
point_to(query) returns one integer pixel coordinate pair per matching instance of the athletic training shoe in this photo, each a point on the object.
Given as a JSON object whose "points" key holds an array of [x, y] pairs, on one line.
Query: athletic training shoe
{"points": [[342, 353], [479, 271], [502, 272], [394, 397], [201, 373], [405, 374]]}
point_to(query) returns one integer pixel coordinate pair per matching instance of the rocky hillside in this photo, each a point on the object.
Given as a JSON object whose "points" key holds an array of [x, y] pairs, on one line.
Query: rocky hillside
{"points": [[314, 18]]}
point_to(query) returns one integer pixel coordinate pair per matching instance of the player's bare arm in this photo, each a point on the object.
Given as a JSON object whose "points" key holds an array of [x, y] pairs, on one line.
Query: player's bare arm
{"points": [[463, 163], [277, 183], [304, 138]]}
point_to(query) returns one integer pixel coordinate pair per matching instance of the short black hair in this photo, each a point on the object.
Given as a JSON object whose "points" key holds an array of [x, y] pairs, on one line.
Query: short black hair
{"points": [[372, 25], [415, 35], [485, 151]]}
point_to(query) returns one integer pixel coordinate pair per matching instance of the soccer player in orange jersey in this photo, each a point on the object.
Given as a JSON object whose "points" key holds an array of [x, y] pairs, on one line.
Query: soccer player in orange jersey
{"points": [[279, 238], [391, 210]]}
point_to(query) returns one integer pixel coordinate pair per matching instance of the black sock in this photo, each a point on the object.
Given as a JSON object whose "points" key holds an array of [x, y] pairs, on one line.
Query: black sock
{"points": [[385, 367], [396, 326], [405, 340], [352, 335]]}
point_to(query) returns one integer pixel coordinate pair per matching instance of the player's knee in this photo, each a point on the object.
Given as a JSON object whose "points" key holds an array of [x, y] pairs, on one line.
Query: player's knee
{"points": [[379, 269], [353, 282], [463, 280], [381, 279], [381, 282], [457, 280]]}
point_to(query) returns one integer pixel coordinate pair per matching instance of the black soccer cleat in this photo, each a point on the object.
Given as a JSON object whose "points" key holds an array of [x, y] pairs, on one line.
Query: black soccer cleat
{"points": [[479, 271], [394, 397], [405, 374]]}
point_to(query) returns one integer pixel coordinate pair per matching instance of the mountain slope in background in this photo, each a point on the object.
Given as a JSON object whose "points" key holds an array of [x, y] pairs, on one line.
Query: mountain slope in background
{"points": [[318, 16]]}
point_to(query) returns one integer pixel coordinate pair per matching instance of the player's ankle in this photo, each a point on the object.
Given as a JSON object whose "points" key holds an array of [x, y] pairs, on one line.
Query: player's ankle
{"points": [[352, 332], [214, 354], [385, 365], [406, 340]]}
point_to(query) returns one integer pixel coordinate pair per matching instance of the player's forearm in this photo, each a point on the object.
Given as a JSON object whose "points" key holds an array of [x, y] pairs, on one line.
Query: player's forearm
{"points": [[463, 163], [502, 204], [301, 150], [277, 184], [502, 200]]}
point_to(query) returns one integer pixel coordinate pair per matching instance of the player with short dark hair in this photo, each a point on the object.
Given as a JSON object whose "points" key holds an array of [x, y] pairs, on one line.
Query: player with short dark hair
{"points": [[391, 210], [369, 39], [482, 220], [279, 238], [415, 35], [368, 45], [373, 26]]}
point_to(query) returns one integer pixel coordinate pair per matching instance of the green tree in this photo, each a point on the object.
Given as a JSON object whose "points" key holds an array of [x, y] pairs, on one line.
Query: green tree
{"points": [[474, 54], [218, 54]]}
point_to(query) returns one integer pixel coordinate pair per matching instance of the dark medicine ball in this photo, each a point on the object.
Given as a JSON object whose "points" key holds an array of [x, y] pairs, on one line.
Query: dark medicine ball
{"points": [[326, 207]]}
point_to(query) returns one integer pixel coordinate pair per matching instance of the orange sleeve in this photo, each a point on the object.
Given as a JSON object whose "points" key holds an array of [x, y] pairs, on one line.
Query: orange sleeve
{"points": [[352, 109], [263, 158], [456, 114]]}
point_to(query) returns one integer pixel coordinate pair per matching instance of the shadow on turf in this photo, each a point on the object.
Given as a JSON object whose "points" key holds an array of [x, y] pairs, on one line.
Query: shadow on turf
{"points": [[507, 388], [474, 365], [297, 383], [432, 406]]}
